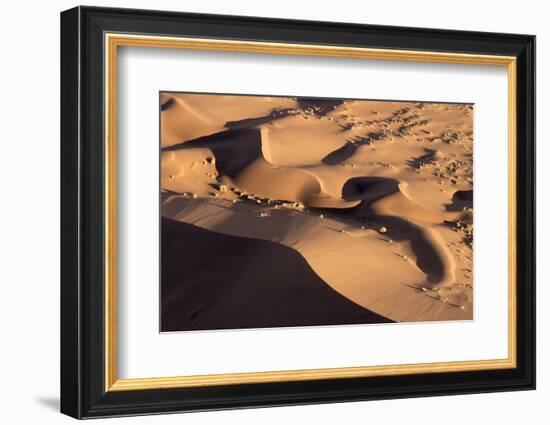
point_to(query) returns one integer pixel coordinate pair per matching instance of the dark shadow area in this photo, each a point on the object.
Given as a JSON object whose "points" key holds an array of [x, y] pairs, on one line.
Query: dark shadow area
{"points": [[168, 104], [232, 149], [461, 199], [368, 189], [340, 154], [319, 106], [420, 161], [253, 122], [214, 281]]}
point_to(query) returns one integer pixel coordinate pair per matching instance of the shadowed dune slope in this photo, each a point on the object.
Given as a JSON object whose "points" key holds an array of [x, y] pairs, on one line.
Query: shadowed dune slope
{"points": [[223, 145], [216, 281]]}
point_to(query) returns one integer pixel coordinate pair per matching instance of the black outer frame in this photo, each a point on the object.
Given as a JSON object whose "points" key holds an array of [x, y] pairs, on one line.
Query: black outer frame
{"points": [[82, 212]]}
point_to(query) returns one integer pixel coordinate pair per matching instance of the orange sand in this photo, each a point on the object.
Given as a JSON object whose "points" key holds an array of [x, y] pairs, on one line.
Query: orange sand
{"points": [[375, 195]]}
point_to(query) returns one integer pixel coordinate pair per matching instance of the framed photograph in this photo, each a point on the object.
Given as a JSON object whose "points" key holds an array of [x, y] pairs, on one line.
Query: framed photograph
{"points": [[261, 212]]}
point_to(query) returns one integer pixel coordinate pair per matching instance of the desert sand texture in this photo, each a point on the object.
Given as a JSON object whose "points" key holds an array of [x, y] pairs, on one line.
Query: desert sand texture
{"points": [[281, 211]]}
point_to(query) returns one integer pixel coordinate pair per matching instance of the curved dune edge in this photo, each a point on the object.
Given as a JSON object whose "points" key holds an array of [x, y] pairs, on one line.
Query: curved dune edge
{"points": [[358, 266], [277, 164], [263, 284]]}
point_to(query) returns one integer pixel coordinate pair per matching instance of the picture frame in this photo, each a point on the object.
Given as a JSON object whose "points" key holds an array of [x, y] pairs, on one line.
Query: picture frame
{"points": [[91, 38]]}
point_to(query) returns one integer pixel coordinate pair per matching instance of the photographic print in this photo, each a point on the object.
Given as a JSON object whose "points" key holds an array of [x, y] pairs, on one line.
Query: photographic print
{"points": [[308, 228], [302, 211]]}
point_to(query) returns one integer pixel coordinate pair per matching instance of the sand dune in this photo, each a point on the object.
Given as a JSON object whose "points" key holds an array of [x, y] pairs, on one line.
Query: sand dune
{"points": [[197, 296], [375, 196], [192, 116]]}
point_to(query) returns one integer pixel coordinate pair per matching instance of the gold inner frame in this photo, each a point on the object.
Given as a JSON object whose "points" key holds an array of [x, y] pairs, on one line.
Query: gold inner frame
{"points": [[113, 41]]}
